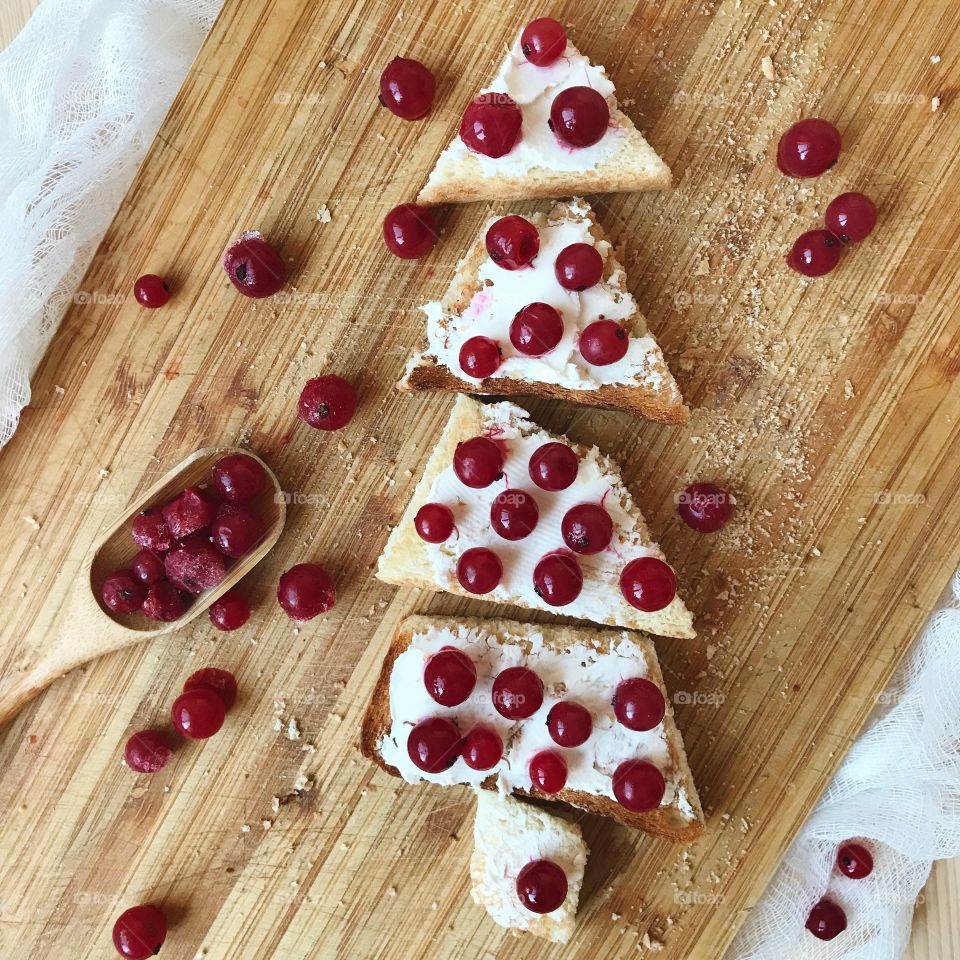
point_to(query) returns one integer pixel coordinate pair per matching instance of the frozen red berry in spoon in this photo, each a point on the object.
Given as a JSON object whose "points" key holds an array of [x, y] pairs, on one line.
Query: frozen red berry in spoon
{"points": [[434, 744], [236, 530], [814, 253], [195, 565], [557, 578], [254, 267], [477, 462], [434, 522], [542, 886], [238, 477], [705, 507], [480, 357], [517, 693], [603, 342], [482, 748], [151, 291], [164, 602], [579, 116], [638, 704], [230, 612], [826, 920], [512, 242], [305, 591], [648, 584], [409, 231], [122, 592], [548, 771], [851, 217], [479, 570], [449, 676], [553, 466], [139, 932], [536, 329], [193, 510], [578, 267], [854, 860], [222, 682], [198, 713], [491, 125], [638, 785], [327, 402], [810, 147], [514, 514], [147, 751], [569, 723], [407, 88], [587, 528], [150, 532], [543, 41], [147, 567]]}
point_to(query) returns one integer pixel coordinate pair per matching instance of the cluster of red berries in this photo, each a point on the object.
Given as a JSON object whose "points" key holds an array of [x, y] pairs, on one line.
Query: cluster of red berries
{"points": [[809, 148], [827, 919], [435, 743]]}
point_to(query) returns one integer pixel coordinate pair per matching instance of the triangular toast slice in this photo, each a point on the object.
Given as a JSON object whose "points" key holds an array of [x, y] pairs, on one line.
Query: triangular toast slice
{"points": [[581, 664], [483, 299], [540, 165], [408, 559]]}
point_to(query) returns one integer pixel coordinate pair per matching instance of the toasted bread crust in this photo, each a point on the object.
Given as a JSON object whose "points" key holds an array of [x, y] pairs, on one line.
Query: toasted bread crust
{"points": [[667, 822]]}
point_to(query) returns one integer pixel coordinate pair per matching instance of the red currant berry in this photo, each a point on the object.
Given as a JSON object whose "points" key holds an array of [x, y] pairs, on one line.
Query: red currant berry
{"points": [[814, 253], [164, 602], [479, 570], [480, 357], [638, 704], [851, 217], [548, 771], [254, 267], [150, 532], [139, 932], [434, 522], [222, 682], [536, 329], [193, 510], [238, 478], [198, 713], [854, 860], [587, 528], [147, 567], [638, 785], [230, 612], [578, 267], [554, 466], [434, 744], [327, 402], [603, 342], [705, 507], [449, 676], [579, 116], [569, 723], [305, 591], [543, 41], [477, 462], [557, 578], [122, 592], [194, 565], [409, 231], [514, 514], [512, 242], [648, 584], [147, 751], [517, 693], [407, 88], [808, 148], [542, 886], [491, 125], [826, 920], [236, 531], [151, 291], [482, 748]]}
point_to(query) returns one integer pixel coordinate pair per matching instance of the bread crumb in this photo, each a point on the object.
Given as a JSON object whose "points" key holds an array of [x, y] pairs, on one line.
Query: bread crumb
{"points": [[293, 729], [766, 65], [323, 214], [815, 552], [935, 104], [848, 389], [935, 59], [31, 521]]}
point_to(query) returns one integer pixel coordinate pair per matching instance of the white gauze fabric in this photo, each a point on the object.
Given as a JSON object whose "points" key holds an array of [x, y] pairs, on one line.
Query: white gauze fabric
{"points": [[83, 90], [899, 789]]}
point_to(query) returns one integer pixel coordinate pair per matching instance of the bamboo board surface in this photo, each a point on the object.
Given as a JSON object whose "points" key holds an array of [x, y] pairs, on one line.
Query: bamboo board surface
{"points": [[829, 408]]}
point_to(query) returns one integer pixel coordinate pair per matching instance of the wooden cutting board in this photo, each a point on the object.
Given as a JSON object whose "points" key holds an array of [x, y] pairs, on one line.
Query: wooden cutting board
{"points": [[829, 407]]}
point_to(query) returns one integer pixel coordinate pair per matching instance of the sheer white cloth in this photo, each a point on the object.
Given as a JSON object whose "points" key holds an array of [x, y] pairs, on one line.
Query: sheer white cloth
{"points": [[83, 90]]}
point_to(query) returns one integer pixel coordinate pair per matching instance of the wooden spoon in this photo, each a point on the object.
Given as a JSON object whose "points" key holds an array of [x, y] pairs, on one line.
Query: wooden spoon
{"points": [[89, 629]]}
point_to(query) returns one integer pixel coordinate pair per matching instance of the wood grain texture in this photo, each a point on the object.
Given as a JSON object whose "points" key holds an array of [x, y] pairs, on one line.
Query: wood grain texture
{"points": [[830, 408]]}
